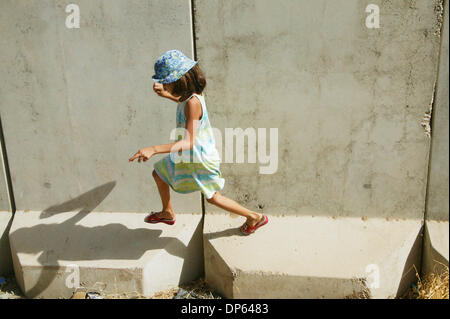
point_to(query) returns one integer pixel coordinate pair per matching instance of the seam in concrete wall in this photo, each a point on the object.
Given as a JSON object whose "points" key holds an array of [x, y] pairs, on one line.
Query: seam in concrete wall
{"points": [[4, 157], [194, 55], [193, 38]]}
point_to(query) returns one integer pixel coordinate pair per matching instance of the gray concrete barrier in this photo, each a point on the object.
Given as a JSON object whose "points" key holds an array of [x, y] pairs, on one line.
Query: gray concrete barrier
{"points": [[76, 104], [348, 101]]}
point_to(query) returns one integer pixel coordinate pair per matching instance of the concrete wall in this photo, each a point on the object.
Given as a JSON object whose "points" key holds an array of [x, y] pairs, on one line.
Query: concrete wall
{"points": [[348, 101], [77, 103], [437, 204]]}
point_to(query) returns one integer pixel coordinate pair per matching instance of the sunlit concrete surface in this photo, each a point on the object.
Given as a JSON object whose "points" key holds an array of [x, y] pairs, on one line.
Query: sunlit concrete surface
{"points": [[118, 251], [311, 257]]}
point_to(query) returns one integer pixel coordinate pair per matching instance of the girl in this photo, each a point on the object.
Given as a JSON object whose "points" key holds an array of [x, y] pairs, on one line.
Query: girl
{"points": [[180, 79]]}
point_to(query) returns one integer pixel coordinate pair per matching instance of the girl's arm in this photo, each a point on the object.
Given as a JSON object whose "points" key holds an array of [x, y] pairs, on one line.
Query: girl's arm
{"points": [[193, 113]]}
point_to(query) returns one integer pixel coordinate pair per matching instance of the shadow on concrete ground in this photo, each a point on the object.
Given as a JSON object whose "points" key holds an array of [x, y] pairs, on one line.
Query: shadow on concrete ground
{"points": [[102, 241]]}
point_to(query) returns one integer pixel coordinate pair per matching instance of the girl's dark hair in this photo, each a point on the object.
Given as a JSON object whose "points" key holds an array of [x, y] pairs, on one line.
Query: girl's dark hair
{"points": [[193, 81]]}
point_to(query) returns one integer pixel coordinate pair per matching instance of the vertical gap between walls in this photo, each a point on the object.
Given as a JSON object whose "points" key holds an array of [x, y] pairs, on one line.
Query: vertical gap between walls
{"points": [[194, 56], [193, 37], [433, 107], [9, 187]]}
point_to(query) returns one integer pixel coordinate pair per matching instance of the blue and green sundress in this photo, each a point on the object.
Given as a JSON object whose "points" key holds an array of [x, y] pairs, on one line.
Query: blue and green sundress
{"points": [[201, 170]]}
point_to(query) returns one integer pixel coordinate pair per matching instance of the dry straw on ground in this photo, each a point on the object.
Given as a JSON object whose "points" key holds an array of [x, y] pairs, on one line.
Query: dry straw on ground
{"points": [[432, 286], [197, 289]]}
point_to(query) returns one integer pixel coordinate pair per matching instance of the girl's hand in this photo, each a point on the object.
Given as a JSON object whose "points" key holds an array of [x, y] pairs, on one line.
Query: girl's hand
{"points": [[159, 89], [165, 90], [143, 154]]}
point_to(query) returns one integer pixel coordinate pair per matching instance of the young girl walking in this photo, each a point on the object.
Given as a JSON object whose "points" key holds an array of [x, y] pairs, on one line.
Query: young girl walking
{"points": [[181, 80]]}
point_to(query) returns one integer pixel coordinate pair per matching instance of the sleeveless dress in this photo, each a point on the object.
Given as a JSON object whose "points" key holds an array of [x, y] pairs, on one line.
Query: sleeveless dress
{"points": [[197, 169]]}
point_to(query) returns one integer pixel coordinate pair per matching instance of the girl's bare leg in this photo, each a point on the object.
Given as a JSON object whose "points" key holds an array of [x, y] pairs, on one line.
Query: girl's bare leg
{"points": [[230, 205], [164, 192]]}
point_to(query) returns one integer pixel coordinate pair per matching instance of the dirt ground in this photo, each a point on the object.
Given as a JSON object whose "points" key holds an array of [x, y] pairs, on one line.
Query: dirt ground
{"points": [[432, 287], [197, 289], [9, 289]]}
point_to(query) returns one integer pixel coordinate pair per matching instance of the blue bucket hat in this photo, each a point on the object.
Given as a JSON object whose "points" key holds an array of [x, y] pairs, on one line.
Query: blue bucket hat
{"points": [[171, 66]]}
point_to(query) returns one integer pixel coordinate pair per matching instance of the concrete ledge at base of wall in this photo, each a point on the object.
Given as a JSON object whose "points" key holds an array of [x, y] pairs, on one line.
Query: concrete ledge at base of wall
{"points": [[311, 257], [116, 251], [436, 247], [5, 252]]}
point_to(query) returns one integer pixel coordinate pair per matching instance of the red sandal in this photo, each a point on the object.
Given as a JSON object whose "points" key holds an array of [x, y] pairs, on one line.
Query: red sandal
{"points": [[153, 219], [247, 230]]}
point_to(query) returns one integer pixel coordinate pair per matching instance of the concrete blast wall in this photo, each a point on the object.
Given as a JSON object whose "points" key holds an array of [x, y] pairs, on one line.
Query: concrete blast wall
{"points": [[348, 101], [77, 103]]}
